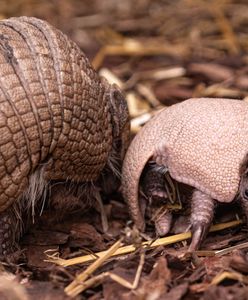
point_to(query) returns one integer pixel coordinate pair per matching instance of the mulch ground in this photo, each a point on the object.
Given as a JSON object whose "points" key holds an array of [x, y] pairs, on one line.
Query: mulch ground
{"points": [[160, 53]]}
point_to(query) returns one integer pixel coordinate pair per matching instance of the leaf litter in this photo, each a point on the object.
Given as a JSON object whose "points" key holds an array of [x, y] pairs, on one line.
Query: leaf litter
{"points": [[160, 53]]}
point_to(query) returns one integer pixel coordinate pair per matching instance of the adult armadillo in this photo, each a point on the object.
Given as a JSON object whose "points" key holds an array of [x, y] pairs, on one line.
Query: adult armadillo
{"points": [[58, 119], [202, 143]]}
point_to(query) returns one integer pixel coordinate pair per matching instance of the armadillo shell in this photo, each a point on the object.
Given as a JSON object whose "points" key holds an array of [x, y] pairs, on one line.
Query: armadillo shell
{"points": [[202, 142], [52, 108]]}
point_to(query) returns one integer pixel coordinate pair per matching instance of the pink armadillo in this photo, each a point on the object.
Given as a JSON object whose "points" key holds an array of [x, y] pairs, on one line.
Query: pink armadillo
{"points": [[59, 121], [202, 143]]}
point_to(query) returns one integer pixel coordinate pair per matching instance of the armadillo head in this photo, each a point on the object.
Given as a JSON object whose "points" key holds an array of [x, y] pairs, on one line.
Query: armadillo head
{"points": [[217, 129], [110, 179], [120, 120]]}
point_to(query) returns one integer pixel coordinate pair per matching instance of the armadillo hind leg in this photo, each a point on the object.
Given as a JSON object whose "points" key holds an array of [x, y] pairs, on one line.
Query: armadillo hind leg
{"points": [[10, 231], [202, 212]]}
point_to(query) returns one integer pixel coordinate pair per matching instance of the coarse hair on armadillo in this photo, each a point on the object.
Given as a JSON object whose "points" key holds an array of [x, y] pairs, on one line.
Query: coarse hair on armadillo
{"points": [[39, 189], [81, 195], [158, 168], [36, 192], [113, 162]]}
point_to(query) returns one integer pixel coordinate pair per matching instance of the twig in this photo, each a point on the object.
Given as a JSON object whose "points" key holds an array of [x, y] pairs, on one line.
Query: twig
{"points": [[230, 249], [82, 286], [132, 47], [83, 276], [226, 28], [229, 275], [131, 248]]}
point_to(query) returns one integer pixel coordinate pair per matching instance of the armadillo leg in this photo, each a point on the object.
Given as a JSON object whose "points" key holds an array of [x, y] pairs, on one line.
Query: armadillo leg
{"points": [[10, 230], [163, 223], [244, 204], [202, 212]]}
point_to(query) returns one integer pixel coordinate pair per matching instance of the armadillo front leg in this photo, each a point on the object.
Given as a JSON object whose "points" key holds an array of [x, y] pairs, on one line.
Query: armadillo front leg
{"points": [[202, 212], [10, 230], [244, 205]]}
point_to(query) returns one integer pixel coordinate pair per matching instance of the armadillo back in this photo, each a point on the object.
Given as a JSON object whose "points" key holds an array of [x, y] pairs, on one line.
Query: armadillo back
{"points": [[52, 108]]}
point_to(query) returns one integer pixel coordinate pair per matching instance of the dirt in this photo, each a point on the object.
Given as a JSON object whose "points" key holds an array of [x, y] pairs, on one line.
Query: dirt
{"points": [[160, 53]]}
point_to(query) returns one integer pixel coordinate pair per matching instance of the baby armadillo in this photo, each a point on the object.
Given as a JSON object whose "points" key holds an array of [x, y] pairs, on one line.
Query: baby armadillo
{"points": [[202, 143], [59, 121]]}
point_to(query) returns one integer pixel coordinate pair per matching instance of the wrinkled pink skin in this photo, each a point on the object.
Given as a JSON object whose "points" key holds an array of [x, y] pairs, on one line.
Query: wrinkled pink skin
{"points": [[202, 143]]}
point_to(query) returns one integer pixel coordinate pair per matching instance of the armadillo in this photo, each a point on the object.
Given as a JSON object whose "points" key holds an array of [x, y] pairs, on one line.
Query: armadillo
{"points": [[200, 142], [59, 121]]}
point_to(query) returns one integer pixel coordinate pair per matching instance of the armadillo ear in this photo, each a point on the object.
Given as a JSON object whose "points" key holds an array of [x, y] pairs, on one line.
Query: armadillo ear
{"points": [[119, 110]]}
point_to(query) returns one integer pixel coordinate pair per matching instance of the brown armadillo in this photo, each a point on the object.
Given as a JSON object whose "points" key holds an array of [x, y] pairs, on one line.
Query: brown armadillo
{"points": [[59, 121], [202, 143]]}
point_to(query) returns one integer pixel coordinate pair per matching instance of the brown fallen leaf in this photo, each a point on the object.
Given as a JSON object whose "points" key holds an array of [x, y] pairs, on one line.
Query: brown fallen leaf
{"points": [[155, 285], [36, 255], [85, 235], [225, 292], [242, 82], [177, 292], [45, 238], [214, 72], [169, 93], [239, 262], [46, 291]]}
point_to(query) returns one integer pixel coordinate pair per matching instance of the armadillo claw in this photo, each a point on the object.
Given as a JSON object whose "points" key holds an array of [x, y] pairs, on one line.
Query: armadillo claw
{"points": [[202, 212], [199, 232], [163, 223]]}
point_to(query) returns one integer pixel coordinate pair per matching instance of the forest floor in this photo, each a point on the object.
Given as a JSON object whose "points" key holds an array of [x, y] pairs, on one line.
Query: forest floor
{"points": [[159, 53]]}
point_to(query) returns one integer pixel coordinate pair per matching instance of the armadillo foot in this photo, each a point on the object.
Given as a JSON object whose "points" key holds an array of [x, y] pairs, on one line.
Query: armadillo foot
{"points": [[202, 212], [162, 222], [10, 230]]}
